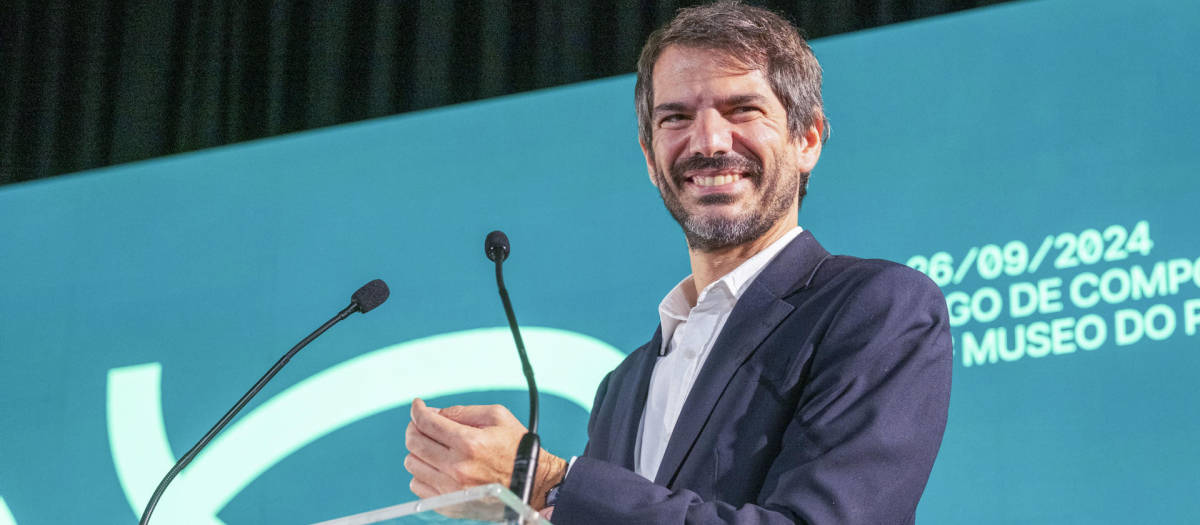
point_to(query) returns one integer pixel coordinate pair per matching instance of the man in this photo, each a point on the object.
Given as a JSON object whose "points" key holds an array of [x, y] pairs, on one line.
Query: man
{"points": [[784, 385]]}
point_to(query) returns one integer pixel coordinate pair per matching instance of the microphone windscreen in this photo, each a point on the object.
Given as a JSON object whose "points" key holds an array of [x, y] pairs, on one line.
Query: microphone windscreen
{"points": [[496, 246], [371, 295]]}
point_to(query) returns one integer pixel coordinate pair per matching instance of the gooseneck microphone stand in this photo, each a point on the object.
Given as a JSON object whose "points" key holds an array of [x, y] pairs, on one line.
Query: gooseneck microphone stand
{"points": [[364, 300], [525, 366], [525, 466]]}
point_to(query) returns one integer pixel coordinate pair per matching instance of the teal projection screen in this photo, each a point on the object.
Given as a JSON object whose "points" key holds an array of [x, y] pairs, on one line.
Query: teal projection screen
{"points": [[1038, 160]]}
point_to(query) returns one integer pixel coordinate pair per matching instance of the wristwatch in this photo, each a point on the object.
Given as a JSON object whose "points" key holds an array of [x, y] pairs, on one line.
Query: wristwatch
{"points": [[552, 496]]}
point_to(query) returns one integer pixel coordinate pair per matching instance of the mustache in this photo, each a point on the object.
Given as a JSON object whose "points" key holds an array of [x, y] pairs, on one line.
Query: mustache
{"points": [[728, 161]]}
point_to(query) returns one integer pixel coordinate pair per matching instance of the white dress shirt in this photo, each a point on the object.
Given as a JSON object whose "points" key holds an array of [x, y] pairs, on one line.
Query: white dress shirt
{"points": [[688, 334]]}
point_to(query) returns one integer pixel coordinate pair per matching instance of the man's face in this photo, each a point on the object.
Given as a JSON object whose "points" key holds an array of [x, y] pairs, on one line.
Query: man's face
{"points": [[721, 154]]}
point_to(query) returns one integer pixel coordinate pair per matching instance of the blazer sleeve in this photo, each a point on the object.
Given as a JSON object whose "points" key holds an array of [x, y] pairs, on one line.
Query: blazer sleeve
{"points": [[601, 391], [862, 440]]}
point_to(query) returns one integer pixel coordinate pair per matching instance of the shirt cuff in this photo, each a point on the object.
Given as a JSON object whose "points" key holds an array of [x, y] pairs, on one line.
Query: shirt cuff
{"points": [[569, 465]]}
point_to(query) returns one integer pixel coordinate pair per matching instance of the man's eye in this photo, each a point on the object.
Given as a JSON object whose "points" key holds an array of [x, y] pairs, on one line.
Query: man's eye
{"points": [[672, 119], [747, 109]]}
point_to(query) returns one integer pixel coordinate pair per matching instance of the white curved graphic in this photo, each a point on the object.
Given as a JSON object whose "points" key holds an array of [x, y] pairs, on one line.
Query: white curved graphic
{"points": [[6, 517], [569, 365]]}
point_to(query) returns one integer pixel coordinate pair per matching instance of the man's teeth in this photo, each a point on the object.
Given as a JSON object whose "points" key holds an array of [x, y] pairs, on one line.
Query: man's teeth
{"points": [[716, 181]]}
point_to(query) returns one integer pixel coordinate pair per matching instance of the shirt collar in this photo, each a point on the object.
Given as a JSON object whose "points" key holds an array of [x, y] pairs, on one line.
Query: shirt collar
{"points": [[675, 307]]}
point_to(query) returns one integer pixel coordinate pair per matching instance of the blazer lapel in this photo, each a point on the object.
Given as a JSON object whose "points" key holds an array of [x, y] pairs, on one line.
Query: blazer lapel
{"points": [[633, 402], [759, 310]]}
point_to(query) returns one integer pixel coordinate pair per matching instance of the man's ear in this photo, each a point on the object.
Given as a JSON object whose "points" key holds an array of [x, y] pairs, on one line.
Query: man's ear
{"points": [[647, 152], [809, 144]]}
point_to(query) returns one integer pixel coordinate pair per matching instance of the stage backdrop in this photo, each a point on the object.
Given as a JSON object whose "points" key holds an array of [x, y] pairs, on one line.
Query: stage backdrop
{"points": [[1038, 160]]}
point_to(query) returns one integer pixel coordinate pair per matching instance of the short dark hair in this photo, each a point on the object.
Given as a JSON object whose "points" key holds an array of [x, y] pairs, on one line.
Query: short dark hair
{"points": [[752, 37]]}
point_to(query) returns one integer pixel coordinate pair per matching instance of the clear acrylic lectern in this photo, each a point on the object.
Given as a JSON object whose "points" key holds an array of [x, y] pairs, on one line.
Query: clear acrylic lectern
{"points": [[484, 504]]}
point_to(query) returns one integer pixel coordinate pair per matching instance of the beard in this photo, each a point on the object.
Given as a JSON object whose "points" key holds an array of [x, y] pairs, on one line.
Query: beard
{"points": [[770, 201]]}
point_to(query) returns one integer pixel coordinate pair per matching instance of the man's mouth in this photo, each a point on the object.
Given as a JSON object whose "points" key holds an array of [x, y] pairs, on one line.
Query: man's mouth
{"points": [[720, 174], [715, 180]]}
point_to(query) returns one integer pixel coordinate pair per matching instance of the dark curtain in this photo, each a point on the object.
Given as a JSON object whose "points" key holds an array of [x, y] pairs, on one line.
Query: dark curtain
{"points": [[93, 83]]}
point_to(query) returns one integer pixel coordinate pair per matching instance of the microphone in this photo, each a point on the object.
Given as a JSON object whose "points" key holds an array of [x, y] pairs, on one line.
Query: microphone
{"points": [[525, 466], [496, 248], [369, 296], [364, 300]]}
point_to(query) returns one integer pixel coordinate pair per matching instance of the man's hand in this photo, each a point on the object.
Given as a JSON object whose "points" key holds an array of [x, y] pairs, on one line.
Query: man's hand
{"points": [[458, 447]]}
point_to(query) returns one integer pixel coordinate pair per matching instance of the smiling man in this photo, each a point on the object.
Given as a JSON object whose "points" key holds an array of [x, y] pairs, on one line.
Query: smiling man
{"points": [[785, 384]]}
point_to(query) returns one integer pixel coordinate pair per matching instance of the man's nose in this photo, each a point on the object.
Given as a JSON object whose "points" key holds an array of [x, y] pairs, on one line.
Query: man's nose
{"points": [[712, 134]]}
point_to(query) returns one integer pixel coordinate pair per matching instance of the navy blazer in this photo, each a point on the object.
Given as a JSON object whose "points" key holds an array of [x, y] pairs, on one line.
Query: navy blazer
{"points": [[823, 401]]}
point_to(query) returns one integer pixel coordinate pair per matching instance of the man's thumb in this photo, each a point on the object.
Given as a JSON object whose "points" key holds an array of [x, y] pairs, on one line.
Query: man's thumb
{"points": [[475, 415]]}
